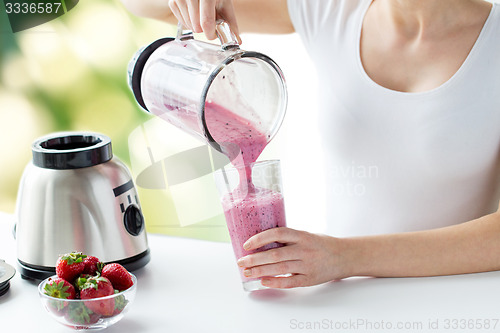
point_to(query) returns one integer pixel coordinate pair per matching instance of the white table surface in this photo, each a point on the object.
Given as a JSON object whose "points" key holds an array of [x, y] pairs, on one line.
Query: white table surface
{"points": [[193, 286]]}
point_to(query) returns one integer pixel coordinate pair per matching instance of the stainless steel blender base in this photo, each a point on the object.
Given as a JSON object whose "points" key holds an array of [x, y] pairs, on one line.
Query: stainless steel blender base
{"points": [[35, 272], [75, 196]]}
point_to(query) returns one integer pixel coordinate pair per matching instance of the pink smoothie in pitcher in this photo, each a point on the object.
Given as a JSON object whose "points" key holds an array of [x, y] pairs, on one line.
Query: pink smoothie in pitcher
{"points": [[249, 210]]}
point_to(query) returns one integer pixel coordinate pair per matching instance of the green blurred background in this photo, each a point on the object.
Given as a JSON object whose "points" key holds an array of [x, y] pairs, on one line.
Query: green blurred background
{"points": [[68, 74]]}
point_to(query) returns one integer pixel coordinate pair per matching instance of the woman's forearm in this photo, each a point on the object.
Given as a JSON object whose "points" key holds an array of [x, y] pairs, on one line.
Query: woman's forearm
{"points": [[257, 16], [469, 247], [156, 9]]}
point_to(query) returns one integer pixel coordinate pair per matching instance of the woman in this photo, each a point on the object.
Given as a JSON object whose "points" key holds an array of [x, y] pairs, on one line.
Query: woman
{"points": [[409, 88]]}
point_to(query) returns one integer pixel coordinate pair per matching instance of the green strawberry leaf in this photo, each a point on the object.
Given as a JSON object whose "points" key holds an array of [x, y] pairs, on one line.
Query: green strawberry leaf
{"points": [[57, 290], [80, 282], [78, 313], [90, 283], [100, 266], [73, 257], [120, 302]]}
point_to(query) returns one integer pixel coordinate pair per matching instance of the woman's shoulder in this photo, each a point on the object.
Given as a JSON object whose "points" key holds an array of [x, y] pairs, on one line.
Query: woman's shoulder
{"points": [[495, 14], [325, 7], [310, 17], [491, 28]]}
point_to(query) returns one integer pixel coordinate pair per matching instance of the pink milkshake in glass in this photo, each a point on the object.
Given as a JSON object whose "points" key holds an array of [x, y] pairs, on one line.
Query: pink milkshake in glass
{"points": [[251, 193], [249, 213]]}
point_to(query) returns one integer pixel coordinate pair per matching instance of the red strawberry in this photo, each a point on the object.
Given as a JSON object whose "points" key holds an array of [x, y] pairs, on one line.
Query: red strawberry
{"points": [[70, 265], [92, 265], [120, 278], [59, 288], [96, 287]]}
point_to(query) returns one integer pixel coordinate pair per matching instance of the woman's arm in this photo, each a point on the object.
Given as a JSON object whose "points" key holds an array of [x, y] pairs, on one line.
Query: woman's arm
{"points": [[469, 247], [260, 16], [155, 9]]}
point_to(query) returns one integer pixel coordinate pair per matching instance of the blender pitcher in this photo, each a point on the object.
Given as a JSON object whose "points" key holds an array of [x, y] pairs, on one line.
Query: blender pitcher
{"points": [[178, 79]]}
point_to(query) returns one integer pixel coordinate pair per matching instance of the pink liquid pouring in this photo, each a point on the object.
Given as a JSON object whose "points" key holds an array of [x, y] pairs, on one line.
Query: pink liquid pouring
{"points": [[249, 210]]}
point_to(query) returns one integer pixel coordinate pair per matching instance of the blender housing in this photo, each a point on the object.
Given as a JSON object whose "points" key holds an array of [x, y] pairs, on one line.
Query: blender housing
{"points": [[75, 196]]}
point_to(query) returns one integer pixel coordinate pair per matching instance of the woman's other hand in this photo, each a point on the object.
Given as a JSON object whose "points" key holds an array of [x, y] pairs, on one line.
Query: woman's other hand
{"points": [[307, 259]]}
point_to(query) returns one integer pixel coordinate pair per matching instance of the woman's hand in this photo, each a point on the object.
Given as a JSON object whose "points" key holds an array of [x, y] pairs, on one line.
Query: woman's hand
{"points": [[257, 16], [201, 15], [310, 258]]}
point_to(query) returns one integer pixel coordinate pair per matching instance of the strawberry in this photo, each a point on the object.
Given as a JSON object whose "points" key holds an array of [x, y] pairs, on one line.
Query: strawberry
{"points": [[70, 265], [118, 275], [80, 282], [95, 287], [92, 265], [59, 288], [79, 314], [120, 303]]}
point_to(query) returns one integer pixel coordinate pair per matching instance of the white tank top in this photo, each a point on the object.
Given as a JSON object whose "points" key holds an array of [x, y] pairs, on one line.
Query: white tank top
{"points": [[397, 161]]}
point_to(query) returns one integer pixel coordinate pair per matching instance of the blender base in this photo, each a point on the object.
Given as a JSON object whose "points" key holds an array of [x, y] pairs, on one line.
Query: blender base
{"points": [[36, 272]]}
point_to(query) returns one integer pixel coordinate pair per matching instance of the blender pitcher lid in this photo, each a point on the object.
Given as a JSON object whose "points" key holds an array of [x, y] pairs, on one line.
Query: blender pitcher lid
{"points": [[7, 272]]}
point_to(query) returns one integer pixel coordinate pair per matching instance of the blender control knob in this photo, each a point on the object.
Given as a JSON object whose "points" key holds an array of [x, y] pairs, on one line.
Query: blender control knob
{"points": [[133, 220]]}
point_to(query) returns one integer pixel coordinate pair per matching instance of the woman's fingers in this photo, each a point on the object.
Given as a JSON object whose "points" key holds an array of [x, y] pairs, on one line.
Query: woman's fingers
{"points": [[193, 7], [208, 17], [297, 280], [227, 13], [177, 12], [187, 12], [280, 268], [285, 253], [201, 15], [281, 235]]}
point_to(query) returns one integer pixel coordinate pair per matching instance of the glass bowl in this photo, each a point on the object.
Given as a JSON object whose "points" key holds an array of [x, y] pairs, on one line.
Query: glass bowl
{"points": [[76, 313]]}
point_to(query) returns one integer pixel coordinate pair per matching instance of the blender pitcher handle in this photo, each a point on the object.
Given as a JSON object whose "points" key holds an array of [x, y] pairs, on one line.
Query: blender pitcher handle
{"points": [[183, 34], [226, 36]]}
